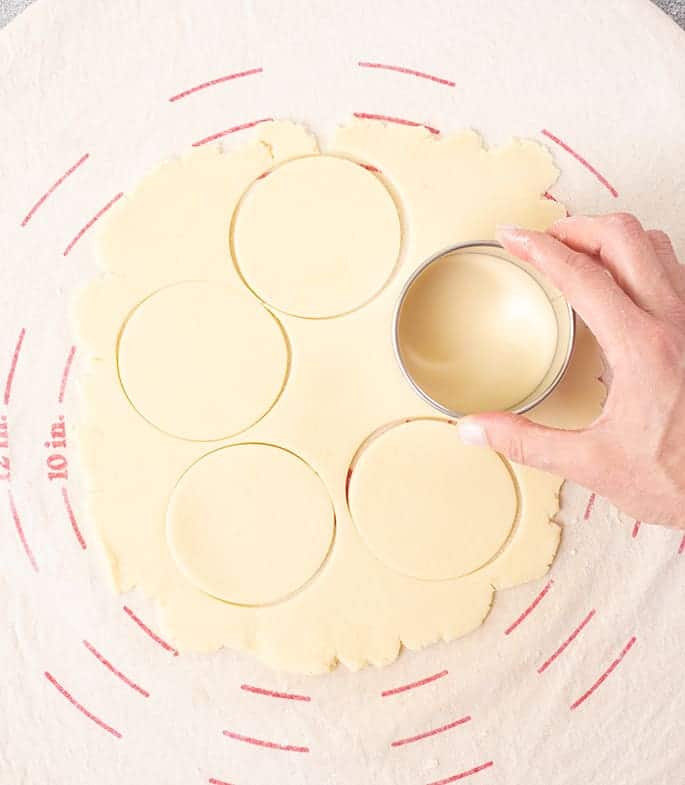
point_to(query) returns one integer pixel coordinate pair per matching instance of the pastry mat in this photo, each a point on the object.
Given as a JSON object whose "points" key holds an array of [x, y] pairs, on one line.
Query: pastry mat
{"points": [[576, 678]]}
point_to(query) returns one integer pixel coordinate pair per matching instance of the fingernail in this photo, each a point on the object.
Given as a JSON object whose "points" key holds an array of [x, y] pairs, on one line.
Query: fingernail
{"points": [[472, 433], [510, 233]]}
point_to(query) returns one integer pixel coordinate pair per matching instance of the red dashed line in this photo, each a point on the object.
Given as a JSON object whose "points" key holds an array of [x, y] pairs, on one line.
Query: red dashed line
{"points": [[590, 505], [20, 531], [371, 168], [72, 519], [463, 774], [231, 131], [636, 529], [65, 374], [96, 217], [530, 608], [681, 549], [261, 743], [53, 187], [116, 672], [582, 161], [606, 673], [568, 640], [434, 732], [149, 632], [213, 82], [214, 781], [13, 366], [410, 71], [413, 684], [398, 120], [80, 707], [289, 696]]}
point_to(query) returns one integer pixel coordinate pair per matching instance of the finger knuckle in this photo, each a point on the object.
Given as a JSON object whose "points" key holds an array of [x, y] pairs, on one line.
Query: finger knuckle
{"points": [[571, 258], [660, 241], [625, 223], [678, 316], [579, 261], [516, 450], [658, 236]]}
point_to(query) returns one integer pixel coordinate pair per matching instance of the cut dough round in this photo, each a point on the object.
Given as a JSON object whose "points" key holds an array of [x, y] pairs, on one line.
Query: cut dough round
{"points": [[429, 506], [202, 361], [250, 523], [318, 237]]}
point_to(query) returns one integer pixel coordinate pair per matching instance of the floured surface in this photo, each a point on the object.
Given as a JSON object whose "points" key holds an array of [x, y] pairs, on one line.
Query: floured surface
{"points": [[486, 523], [90, 77]]}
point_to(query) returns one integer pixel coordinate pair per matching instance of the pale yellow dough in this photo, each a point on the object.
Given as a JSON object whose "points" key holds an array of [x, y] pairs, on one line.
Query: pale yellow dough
{"points": [[316, 238], [178, 353], [225, 523], [429, 506], [306, 580]]}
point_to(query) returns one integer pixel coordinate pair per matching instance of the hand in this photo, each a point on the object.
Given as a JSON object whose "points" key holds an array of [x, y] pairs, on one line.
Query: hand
{"points": [[628, 287]]}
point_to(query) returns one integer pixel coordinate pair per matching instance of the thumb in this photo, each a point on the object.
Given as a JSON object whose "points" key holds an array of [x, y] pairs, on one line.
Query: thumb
{"points": [[565, 453]]}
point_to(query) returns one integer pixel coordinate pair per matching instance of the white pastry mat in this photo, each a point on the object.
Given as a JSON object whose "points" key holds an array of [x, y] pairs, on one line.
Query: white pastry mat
{"points": [[93, 94]]}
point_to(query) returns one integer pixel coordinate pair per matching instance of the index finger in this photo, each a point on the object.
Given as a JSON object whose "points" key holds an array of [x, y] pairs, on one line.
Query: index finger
{"points": [[625, 249], [601, 303]]}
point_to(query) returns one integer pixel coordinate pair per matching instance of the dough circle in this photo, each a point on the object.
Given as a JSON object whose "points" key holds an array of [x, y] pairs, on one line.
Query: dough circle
{"points": [[250, 523], [318, 237], [427, 505], [202, 361]]}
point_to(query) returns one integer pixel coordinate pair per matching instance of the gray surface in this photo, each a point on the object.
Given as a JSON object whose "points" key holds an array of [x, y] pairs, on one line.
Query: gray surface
{"points": [[10, 8], [676, 8]]}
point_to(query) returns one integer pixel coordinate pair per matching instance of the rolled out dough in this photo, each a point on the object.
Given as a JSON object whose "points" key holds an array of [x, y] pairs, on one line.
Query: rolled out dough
{"points": [[432, 527]]}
